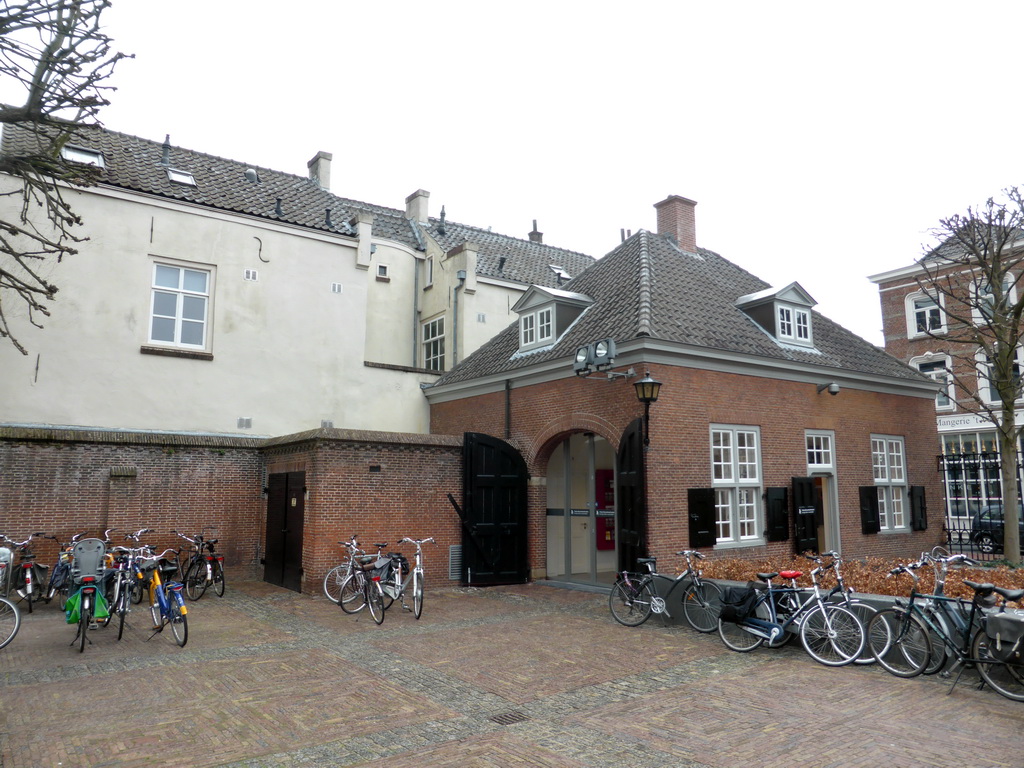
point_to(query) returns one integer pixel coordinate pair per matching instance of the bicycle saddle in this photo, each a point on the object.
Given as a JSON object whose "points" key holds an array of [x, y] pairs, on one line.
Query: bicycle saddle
{"points": [[791, 574], [767, 576]]}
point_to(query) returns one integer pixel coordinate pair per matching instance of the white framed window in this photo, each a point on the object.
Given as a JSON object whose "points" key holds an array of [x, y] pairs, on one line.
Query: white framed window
{"points": [[820, 456], [736, 478], [536, 327], [888, 468], [937, 368], [428, 270], [925, 315], [986, 386], [984, 298], [180, 305], [433, 344], [527, 330], [82, 155], [252, 275], [793, 324], [181, 177], [383, 272]]}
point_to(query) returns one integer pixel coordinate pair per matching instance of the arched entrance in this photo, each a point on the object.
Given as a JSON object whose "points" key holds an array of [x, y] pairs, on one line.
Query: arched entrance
{"points": [[581, 506]]}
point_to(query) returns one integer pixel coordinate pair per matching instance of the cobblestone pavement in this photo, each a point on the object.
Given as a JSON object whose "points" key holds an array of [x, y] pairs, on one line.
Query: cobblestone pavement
{"points": [[528, 675]]}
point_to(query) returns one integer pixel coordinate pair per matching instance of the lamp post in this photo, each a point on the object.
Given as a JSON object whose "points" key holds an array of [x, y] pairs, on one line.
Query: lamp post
{"points": [[647, 390]]}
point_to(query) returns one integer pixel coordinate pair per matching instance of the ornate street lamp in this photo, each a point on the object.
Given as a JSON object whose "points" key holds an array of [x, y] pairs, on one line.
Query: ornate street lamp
{"points": [[647, 390]]}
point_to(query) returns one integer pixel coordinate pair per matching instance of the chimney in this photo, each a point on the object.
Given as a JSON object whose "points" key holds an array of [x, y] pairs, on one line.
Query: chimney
{"points": [[676, 219], [320, 169], [416, 205], [535, 236]]}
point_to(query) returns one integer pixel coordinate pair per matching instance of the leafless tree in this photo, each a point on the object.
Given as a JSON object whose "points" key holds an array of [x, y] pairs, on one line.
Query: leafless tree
{"points": [[56, 54], [976, 276]]}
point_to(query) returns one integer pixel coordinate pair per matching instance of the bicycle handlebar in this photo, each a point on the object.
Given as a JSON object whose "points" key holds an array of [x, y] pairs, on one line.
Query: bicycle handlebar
{"points": [[429, 539], [688, 552]]}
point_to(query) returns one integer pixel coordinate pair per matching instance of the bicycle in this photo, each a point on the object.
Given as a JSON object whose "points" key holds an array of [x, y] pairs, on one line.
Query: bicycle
{"points": [[125, 576], [10, 621], [831, 635], [353, 590], [87, 601], [634, 596], [390, 582], [30, 574], [901, 636], [843, 595], [203, 567], [6, 566], [166, 604], [60, 576]]}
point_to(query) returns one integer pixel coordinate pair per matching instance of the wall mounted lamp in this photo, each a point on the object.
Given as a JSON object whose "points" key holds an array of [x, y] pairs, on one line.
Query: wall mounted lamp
{"points": [[647, 391], [832, 387]]}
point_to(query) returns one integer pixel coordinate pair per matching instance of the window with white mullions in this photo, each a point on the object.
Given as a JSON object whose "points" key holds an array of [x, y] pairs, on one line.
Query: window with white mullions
{"points": [[888, 469], [180, 303], [736, 477], [433, 344], [819, 451]]}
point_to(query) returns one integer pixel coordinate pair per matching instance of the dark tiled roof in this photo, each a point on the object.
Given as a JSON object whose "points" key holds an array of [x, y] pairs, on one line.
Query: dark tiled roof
{"points": [[648, 287], [138, 164]]}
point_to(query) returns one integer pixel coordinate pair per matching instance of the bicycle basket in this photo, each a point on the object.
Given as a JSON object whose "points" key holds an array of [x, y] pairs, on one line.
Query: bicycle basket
{"points": [[1006, 636], [738, 603]]}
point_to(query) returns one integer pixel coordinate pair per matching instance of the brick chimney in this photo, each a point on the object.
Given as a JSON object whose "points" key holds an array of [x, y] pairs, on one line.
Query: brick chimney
{"points": [[416, 206], [320, 169], [676, 218]]}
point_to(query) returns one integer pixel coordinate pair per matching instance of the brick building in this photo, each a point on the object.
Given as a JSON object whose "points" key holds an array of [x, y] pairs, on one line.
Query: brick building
{"points": [[776, 430]]}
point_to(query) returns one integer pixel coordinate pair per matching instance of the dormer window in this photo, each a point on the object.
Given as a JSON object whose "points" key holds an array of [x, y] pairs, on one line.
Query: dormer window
{"points": [[785, 314], [82, 155], [545, 314]]}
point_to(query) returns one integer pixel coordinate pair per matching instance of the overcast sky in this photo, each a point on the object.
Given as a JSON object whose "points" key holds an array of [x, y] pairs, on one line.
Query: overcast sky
{"points": [[821, 140]]}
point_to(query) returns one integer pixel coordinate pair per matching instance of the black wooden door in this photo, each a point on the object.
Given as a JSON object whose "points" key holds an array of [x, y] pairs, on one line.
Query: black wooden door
{"points": [[807, 511], [494, 547], [632, 507], [282, 562]]}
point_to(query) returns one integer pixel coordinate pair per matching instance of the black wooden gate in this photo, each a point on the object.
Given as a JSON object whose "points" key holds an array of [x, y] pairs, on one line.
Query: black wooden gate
{"points": [[494, 544], [282, 561], [807, 512], [632, 506]]}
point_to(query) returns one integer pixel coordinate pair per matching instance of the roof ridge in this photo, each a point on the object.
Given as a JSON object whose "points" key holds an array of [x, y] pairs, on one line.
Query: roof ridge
{"points": [[525, 240], [645, 310]]}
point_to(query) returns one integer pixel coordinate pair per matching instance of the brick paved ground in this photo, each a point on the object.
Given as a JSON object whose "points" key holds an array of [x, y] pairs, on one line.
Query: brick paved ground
{"points": [[510, 676]]}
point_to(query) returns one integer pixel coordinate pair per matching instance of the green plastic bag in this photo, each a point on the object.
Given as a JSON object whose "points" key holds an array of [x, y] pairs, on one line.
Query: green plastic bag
{"points": [[71, 608]]}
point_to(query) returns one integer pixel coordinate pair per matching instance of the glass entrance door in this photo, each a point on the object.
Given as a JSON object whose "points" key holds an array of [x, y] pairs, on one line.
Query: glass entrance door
{"points": [[581, 511]]}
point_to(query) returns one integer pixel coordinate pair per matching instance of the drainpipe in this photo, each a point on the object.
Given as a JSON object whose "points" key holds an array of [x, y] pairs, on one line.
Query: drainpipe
{"points": [[461, 274], [415, 311]]}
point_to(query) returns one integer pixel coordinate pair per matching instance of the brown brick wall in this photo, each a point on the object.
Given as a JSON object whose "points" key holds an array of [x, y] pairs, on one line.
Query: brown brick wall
{"points": [[95, 481], [542, 415]]}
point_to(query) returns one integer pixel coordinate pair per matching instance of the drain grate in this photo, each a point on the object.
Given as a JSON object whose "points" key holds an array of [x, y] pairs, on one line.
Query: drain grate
{"points": [[510, 718]]}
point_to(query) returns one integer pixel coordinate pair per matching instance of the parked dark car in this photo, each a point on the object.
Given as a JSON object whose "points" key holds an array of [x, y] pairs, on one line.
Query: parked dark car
{"points": [[987, 528]]}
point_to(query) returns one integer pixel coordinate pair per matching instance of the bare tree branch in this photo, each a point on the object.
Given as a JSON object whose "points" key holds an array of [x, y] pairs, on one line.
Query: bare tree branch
{"points": [[59, 55]]}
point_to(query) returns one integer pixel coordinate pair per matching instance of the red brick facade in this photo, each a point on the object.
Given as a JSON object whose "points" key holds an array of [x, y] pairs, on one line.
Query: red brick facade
{"points": [[380, 486], [542, 415]]}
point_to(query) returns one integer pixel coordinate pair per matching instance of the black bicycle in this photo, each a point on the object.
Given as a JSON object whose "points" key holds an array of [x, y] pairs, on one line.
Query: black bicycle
{"points": [[204, 567], [636, 596]]}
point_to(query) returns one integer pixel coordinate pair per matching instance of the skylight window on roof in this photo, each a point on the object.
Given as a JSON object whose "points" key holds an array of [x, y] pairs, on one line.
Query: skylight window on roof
{"points": [[560, 271], [181, 177], [82, 155]]}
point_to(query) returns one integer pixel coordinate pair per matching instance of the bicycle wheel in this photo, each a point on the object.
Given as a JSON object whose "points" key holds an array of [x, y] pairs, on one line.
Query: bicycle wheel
{"points": [[864, 613], [84, 619], [939, 651], [154, 611], [121, 609], [10, 621], [701, 605], [737, 638], [631, 604], [375, 600], [138, 590], [352, 595], [333, 580], [195, 580], [177, 620], [899, 642], [417, 594], [832, 635], [1005, 679], [219, 582]]}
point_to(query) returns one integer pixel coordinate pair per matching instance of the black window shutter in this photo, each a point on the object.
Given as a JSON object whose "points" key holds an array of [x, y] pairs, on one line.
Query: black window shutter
{"points": [[918, 509], [702, 517], [869, 509], [777, 513]]}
